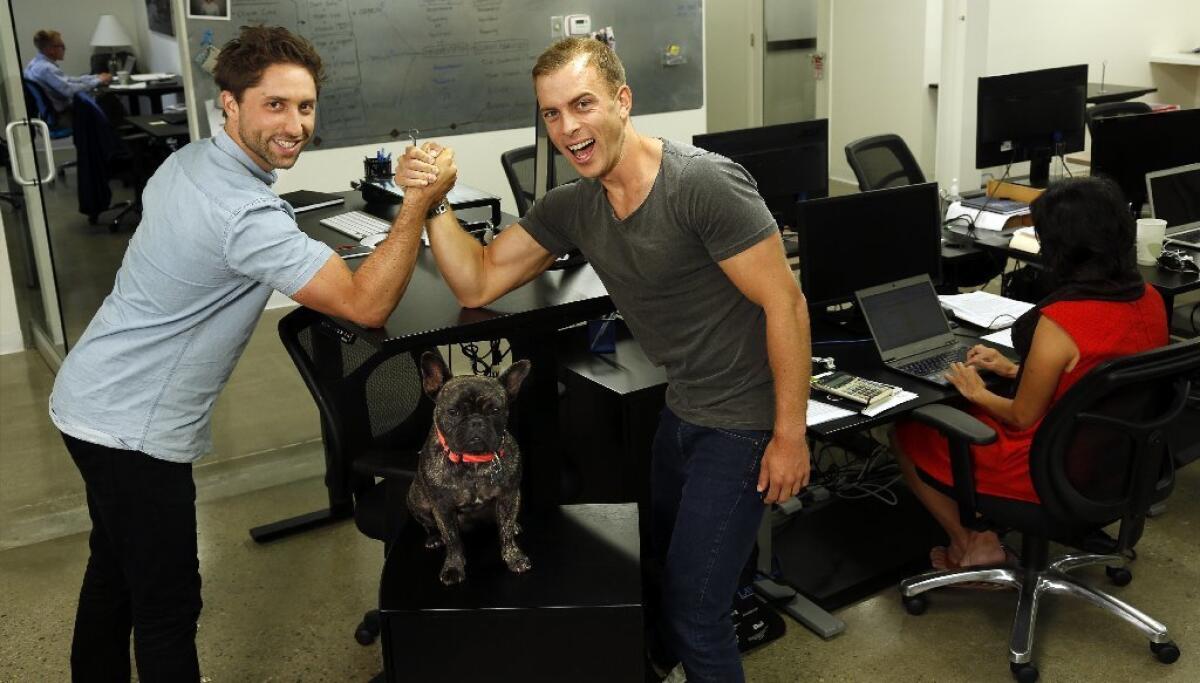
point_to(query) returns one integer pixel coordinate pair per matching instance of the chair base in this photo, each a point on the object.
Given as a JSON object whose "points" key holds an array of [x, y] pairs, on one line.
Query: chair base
{"points": [[1031, 585]]}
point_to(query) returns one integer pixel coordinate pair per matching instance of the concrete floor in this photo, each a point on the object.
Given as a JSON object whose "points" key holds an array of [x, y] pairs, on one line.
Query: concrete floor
{"points": [[287, 611]]}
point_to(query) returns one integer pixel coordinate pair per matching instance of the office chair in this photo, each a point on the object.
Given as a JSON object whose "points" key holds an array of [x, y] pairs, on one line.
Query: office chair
{"points": [[374, 420], [519, 167], [1113, 109], [101, 154], [1099, 456], [880, 161], [37, 106]]}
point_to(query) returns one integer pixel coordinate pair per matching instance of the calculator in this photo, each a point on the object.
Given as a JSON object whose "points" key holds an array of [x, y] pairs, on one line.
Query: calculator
{"points": [[854, 388]]}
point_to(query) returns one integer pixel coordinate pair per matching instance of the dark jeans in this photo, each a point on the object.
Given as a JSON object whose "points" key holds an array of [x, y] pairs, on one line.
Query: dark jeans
{"points": [[705, 513], [143, 573]]}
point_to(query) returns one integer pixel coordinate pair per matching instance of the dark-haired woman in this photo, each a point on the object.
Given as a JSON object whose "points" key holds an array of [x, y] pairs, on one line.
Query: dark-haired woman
{"points": [[1100, 309]]}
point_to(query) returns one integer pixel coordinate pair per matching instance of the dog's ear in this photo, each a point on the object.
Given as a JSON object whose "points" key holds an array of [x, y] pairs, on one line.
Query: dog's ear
{"points": [[434, 373], [512, 377]]}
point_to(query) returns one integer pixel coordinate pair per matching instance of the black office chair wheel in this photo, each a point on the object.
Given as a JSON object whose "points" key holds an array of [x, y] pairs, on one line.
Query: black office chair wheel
{"points": [[1167, 653], [1023, 673], [368, 630], [1120, 576], [916, 605]]}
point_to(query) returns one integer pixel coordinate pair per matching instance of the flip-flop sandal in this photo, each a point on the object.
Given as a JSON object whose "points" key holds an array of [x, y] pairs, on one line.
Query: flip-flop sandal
{"points": [[939, 559]]}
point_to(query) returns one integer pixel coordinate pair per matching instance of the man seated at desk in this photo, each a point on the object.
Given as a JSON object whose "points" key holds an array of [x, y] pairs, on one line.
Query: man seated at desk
{"points": [[1099, 310], [692, 257], [135, 396], [43, 69]]}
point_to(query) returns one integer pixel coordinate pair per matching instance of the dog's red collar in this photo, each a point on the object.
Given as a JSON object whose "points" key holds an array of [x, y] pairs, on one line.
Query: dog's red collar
{"points": [[465, 457]]}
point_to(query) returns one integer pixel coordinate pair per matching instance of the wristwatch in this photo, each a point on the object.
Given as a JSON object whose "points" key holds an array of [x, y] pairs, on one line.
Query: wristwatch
{"points": [[439, 209]]}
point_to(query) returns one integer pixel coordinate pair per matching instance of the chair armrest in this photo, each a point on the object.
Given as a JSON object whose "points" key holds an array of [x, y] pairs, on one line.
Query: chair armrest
{"points": [[961, 430], [955, 424]]}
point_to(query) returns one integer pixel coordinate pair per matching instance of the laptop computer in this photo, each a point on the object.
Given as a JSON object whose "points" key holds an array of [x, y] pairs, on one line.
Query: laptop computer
{"points": [[910, 329], [1175, 197]]}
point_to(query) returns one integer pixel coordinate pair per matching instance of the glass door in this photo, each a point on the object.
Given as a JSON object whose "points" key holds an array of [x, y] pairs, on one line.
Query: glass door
{"points": [[29, 168]]}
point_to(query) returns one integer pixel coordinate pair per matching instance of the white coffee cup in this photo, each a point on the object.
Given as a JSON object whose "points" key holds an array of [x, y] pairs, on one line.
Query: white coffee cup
{"points": [[123, 77], [1150, 233]]}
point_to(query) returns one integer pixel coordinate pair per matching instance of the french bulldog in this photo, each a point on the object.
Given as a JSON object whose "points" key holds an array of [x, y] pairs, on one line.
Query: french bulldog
{"points": [[469, 470]]}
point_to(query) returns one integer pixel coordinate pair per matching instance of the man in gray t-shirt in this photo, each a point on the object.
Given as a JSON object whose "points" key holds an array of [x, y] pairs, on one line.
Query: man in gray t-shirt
{"points": [[692, 258], [134, 397]]}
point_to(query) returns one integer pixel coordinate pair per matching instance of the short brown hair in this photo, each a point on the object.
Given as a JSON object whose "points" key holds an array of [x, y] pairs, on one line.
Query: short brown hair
{"points": [[43, 38], [600, 55], [243, 60]]}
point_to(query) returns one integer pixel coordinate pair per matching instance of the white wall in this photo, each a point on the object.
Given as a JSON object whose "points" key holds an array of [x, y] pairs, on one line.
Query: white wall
{"points": [[875, 66], [160, 53], [10, 322], [1035, 34], [76, 21]]}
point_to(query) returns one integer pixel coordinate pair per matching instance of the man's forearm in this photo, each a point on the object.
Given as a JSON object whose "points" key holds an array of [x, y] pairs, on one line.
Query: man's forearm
{"points": [[382, 279], [459, 256], [789, 350]]}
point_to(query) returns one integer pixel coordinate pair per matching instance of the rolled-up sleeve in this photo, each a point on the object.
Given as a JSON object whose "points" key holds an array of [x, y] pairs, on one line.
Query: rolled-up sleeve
{"points": [[265, 245]]}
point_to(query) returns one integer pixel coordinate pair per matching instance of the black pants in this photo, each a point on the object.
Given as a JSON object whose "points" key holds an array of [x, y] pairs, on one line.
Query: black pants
{"points": [[143, 573]]}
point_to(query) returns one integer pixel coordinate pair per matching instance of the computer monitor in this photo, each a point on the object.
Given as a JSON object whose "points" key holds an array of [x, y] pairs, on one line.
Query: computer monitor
{"points": [[1175, 196], [1030, 116], [1126, 148], [862, 240], [788, 161]]}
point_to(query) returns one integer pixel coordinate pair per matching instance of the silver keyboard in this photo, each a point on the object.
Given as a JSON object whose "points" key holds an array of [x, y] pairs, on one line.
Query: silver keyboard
{"points": [[356, 224]]}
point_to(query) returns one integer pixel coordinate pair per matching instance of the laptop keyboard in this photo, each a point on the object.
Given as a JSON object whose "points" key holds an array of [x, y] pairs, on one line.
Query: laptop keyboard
{"points": [[1186, 237], [936, 365]]}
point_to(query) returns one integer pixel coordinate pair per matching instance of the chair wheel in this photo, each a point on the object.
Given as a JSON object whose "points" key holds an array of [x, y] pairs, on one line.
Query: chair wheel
{"points": [[1167, 652], [1120, 576], [1024, 673], [916, 605], [364, 635]]}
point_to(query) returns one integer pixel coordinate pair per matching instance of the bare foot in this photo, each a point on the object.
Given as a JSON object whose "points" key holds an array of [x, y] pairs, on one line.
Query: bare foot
{"points": [[983, 549]]}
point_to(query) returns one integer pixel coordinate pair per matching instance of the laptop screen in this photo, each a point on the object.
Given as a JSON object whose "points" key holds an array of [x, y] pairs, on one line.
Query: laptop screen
{"points": [[904, 315], [1175, 195]]}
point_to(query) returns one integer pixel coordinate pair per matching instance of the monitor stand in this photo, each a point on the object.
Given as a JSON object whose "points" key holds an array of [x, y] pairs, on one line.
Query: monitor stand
{"points": [[1039, 169]]}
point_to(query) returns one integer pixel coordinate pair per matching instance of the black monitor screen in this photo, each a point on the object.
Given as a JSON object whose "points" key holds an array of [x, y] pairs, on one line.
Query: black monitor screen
{"points": [[789, 162], [872, 238], [1126, 148], [1030, 116]]}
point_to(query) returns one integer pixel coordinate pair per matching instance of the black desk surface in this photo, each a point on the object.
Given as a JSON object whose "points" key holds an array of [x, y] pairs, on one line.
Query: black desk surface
{"points": [[429, 314], [1109, 92], [154, 125]]}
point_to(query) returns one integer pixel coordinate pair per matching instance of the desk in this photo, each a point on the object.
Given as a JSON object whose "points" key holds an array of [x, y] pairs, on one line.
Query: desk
{"points": [[157, 128], [1109, 92], [428, 315], [154, 90], [1168, 283]]}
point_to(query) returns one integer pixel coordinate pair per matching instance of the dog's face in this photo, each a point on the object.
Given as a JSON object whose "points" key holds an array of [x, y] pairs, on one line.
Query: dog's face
{"points": [[471, 412]]}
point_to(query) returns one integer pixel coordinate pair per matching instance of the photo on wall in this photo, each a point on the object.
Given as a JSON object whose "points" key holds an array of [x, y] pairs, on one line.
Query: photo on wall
{"points": [[209, 9], [158, 14]]}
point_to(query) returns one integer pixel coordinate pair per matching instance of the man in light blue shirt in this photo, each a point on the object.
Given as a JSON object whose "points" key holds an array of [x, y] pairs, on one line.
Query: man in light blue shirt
{"points": [[134, 397], [44, 70]]}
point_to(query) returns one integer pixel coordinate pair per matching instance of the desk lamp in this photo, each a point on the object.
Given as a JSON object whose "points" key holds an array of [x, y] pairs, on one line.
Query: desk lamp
{"points": [[111, 34]]}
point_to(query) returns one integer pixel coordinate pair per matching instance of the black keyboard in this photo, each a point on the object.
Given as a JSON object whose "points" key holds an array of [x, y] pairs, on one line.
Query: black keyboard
{"points": [[1186, 237], [938, 364]]}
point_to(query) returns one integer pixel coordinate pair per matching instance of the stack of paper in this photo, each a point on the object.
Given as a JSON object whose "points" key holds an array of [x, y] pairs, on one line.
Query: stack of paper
{"points": [[984, 220], [984, 309]]}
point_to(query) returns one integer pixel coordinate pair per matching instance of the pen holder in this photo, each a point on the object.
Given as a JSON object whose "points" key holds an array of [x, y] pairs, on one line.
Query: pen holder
{"points": [[602, 336], [377, 169]]}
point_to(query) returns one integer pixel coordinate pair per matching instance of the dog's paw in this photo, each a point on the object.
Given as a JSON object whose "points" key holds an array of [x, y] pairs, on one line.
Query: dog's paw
{"points": [[452, 574], [517, 561], [433, 542]]}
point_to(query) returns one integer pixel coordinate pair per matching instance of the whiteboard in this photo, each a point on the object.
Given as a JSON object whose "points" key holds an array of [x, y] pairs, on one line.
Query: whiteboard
{"points": [[449, 67]]}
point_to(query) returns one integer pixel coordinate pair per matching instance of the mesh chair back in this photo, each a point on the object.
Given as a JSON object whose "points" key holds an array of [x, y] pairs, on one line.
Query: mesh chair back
{"points": [[1100, 455], [368, 400], [1113, 109], [881, 161], [518, 168]]}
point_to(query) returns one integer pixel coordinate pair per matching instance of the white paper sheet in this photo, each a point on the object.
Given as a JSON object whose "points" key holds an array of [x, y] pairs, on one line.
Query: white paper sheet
{"points": [[819, 412], [1003, 337], [900, 397], [984, 309]]}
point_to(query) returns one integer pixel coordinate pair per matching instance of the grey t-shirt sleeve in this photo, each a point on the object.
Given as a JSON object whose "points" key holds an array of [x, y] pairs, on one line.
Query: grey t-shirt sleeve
{"points": [[265, 245], [721, 201], [546, 219]]}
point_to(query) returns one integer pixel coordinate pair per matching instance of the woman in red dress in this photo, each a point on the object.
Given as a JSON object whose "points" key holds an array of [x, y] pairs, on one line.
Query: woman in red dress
{"points": [[1100, 309]]}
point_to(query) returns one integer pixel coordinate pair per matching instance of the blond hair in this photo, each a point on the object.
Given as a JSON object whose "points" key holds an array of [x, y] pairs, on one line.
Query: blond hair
{"points": [[43, 38], [599, 54]]}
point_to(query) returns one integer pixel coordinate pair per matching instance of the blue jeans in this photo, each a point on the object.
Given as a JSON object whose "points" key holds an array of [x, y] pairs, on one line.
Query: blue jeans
{"points": [[705, 514]]}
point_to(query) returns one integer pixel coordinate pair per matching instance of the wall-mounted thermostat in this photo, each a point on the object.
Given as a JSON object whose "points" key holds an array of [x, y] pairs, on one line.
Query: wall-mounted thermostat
{"points": [[578, 24]]}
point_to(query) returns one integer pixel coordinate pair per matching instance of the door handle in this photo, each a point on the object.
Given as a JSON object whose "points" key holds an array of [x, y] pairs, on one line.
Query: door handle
{"points": [[8, 134]]}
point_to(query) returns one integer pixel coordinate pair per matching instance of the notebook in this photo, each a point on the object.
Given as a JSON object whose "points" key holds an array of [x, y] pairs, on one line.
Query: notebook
{"points": [[909, 328], [307, 200]]}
